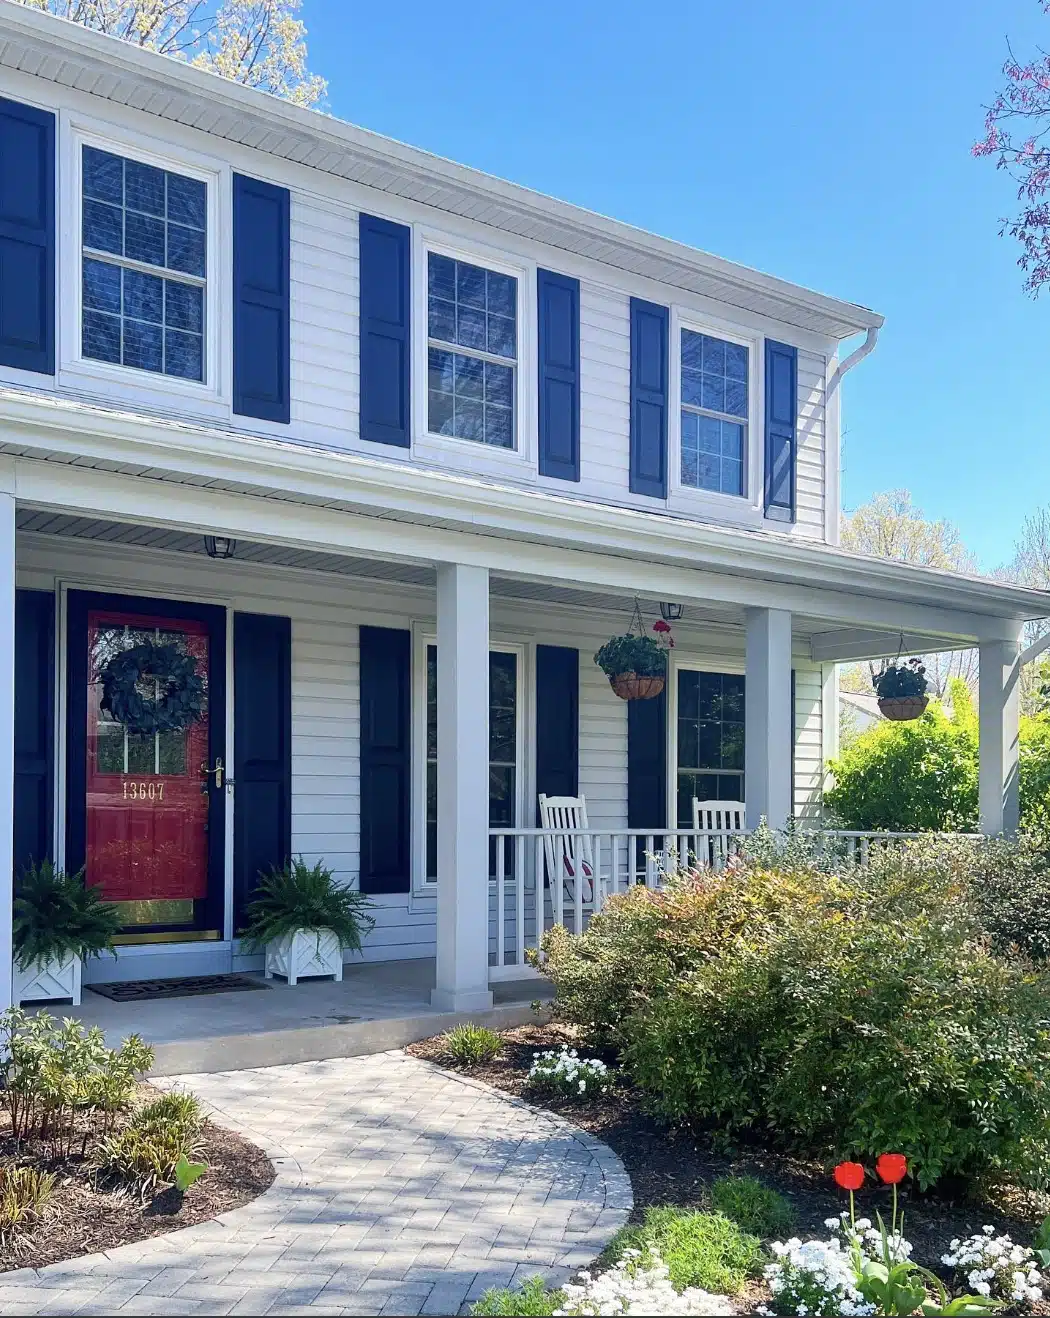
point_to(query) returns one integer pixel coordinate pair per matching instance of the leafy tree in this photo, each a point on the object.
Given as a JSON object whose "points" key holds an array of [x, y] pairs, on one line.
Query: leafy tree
{"points": [[922, 776], [1030, 566], [890, 526], [258, 42], [1016, 128]]}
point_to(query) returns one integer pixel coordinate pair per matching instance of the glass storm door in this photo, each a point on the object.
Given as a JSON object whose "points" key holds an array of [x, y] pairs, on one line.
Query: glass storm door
{"points": [[150, 780]]}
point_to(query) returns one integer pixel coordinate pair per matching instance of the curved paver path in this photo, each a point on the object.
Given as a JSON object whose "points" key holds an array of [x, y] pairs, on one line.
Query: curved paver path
{"points": [[401, 1188]]}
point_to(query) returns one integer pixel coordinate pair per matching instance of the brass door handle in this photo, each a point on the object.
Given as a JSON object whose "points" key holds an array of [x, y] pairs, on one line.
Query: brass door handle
{"points": [[218, 773]]}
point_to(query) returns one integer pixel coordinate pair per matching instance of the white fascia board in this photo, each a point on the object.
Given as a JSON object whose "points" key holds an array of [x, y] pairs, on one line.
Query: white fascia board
{"points": [[853, 643], [278, 519], [72, 55], [75, 433]]}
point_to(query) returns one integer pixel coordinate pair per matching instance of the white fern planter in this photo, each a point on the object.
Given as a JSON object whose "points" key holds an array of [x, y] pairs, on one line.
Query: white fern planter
{"points": [[306, 954], [49, 981]]}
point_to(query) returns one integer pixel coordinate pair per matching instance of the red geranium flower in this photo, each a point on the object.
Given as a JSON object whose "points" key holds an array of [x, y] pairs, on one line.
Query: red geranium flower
{"points": [[849, 1175], [660, 626], [892, 1167]]}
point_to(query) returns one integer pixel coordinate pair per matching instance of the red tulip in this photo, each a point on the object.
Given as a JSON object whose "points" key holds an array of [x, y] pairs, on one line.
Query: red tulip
{"points": [[849, 1175], [891, 1167]]}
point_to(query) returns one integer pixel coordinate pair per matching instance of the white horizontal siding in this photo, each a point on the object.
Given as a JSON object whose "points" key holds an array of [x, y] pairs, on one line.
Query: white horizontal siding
{"points": [[809, 742], [811, 448], [605, 394]]}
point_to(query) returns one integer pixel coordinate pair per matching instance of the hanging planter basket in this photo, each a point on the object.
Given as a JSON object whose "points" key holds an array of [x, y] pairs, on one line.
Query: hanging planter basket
{"points": [[629, 686], [636, 663], [902, 709], [901, 689]]}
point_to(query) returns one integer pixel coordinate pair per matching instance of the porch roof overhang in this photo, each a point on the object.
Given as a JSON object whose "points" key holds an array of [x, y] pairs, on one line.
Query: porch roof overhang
{"points": [[95, 461], [43, 46]]}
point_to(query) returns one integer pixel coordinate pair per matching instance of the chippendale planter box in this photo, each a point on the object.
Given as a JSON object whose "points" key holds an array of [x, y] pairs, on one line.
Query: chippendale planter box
{"points": [[306, 954], [49, 981]]}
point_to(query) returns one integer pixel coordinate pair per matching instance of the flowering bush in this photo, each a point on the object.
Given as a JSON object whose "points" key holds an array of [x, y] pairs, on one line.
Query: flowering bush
{"points": [[566, 1072], [817, 1278], [993, 1265], [638, 1284]]}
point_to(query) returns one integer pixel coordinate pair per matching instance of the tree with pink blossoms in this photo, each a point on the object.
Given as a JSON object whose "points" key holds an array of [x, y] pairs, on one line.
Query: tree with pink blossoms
{"points": [[1017, 135]]}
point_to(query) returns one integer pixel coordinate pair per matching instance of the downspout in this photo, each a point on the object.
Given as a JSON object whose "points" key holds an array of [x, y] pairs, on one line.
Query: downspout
{"points": [[857, 355]]}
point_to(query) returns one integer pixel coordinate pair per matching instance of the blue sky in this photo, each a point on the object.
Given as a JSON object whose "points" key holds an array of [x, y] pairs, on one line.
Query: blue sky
{"points": [[825, 143]]}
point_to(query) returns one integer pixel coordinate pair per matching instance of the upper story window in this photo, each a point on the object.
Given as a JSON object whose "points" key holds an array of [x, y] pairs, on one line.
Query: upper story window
{"points": [[714, 413], [144, 238], [472, 351]]}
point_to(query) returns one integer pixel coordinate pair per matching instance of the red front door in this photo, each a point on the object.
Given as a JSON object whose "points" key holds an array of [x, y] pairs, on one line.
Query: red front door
{"points": [[149, 792]]}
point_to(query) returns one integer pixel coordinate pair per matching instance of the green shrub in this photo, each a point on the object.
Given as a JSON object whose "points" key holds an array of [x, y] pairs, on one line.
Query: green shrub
{"points": [[532, 1297], [700, 1249], [1009, 884], [157, 1145], [754, 1207], [55, 914], [302, 896], [24, 1193], [835, 1014], [471, 1044]]}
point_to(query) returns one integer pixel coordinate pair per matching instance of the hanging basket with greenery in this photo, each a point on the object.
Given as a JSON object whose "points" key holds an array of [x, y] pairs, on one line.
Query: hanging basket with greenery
{"points": [[901, 689], [636, 663]]}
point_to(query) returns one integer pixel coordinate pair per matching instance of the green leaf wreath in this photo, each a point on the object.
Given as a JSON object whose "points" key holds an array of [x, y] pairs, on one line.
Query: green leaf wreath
{"points": [[181, 698]]}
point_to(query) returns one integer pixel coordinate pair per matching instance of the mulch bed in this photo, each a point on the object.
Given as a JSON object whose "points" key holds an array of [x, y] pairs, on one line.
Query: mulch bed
{"points": [[83, 1217], [675, 1166]]}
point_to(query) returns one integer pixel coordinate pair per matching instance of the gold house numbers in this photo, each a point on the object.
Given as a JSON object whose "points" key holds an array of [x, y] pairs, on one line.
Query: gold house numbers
{"points": [[137, 790]]}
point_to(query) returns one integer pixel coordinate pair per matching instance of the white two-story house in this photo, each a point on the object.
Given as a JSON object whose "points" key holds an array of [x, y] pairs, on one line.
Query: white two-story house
{"points": [[325, 467]]}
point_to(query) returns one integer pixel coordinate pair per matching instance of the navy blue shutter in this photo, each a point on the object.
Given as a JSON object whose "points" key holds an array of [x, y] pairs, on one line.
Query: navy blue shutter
{"points": [[558, 304], [781, 435], [557, 720], [386, 759], [27, 238], [261, 300], [262, 768], [385, 251], [34, 725], [649, 329], [647, 763]]}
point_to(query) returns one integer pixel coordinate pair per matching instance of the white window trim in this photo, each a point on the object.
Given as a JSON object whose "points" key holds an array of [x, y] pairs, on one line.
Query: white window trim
{"points": [[76, 369], [728, 664], [748, 507], [421, 638], [449, 448]]}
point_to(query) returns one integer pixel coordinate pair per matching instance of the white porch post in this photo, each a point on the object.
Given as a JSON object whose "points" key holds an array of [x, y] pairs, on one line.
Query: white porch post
{"points": [[767, 718], [999, 713], [462, 981], [7, 737]]}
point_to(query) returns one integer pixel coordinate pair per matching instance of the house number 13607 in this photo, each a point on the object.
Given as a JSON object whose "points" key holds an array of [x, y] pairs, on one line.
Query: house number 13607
{"points": [[137, 791]]}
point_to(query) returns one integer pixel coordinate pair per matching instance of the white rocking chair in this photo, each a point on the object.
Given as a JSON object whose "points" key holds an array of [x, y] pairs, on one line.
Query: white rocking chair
{"points": [[568, 858], [717, 822]]}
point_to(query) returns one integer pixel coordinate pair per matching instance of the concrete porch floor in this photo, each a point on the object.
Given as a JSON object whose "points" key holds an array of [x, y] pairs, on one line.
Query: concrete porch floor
{"points": [[378, 1005]]}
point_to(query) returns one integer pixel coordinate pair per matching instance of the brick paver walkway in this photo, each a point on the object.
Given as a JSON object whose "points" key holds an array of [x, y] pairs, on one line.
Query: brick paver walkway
{"points": [[401, 1189]]}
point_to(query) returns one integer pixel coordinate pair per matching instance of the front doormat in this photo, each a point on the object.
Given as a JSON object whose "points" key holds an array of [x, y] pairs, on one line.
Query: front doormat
{"points": [[192, 986]]}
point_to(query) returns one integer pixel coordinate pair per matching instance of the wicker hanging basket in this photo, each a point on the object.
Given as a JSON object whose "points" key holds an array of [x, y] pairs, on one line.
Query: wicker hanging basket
{"points": [[629, 686], [902, 709]]}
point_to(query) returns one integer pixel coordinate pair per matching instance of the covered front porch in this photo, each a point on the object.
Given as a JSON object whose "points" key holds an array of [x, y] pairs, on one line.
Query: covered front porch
{"points": [[342, 738]]}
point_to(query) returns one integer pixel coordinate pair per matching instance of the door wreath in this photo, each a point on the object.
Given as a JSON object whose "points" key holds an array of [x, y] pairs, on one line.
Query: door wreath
{"points": [[180, 701]]}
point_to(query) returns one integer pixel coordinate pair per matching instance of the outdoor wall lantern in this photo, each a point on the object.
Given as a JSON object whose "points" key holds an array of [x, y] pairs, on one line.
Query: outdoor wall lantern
{"points": [[671, 612], [220, 546]]}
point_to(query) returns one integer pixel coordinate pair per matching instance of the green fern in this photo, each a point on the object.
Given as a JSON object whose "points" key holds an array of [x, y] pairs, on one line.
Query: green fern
{"points": [[57, 913], [302, 896]]}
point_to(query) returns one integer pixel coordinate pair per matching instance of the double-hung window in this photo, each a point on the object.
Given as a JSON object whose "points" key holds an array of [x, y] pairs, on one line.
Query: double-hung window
{"points": [[714, 413], [710, 739], [472, 352], [144, 271]]}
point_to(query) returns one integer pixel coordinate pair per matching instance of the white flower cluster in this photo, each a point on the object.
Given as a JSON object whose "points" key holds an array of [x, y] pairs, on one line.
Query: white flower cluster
{"points": [[814, 1278], [567, 1073], [993, 1265], [638, 1285], [868, 1237]]}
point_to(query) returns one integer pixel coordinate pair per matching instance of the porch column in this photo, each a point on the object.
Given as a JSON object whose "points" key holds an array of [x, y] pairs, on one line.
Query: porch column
{"points": [[998, 698], [767, 718], [462, 981], [7, 736]]}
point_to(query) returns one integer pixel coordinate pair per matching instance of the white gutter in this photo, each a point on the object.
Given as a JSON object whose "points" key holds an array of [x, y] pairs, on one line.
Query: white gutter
{"points": [[857, 355]]}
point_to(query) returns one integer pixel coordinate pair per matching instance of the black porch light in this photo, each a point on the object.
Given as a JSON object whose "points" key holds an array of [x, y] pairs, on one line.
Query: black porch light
{"points": [[220, 546], [670, 611]]}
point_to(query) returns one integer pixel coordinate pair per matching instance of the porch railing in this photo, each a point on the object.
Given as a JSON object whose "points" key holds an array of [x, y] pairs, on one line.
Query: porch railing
{"points": [[525, 900]]}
